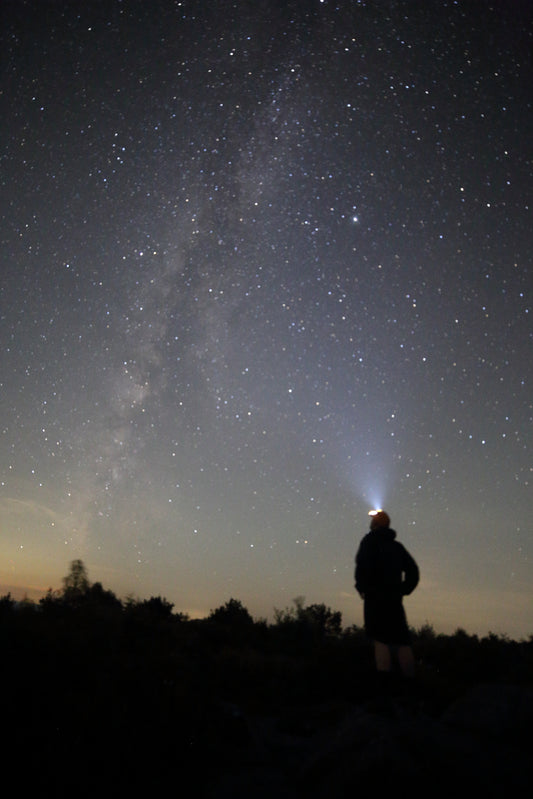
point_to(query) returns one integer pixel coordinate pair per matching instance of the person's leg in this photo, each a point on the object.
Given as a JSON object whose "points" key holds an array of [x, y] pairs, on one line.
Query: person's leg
{"points": [[385, 680], [383, 657], [406, 661]]}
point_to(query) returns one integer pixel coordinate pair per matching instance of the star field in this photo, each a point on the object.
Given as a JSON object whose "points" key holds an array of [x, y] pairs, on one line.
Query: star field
{"points": [[265, 266]]}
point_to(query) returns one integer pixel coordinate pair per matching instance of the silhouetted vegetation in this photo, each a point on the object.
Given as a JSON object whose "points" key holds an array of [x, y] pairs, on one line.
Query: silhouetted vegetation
{"points": [[93, 683]]}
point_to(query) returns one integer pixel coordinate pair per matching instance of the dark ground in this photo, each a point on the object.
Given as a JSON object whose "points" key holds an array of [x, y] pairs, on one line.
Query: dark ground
{"points": [[107, 700]]}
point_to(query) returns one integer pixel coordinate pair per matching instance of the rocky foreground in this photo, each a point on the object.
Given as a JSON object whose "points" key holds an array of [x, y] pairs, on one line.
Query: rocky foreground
{"points": [[105, 698], [480, 743]]}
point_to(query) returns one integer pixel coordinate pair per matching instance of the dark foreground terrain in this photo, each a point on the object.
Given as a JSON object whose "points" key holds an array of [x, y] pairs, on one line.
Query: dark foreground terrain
{"points": [[101, 698]]}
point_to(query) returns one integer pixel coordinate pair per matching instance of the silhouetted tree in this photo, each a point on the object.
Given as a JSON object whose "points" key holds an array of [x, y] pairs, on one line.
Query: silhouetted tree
{"points": [[96, 594], [157, 606], [51, 599], [289, 616], [323, 620], [7, 603], [77, 580], [306, 626], [317, 617], [233, 614]]}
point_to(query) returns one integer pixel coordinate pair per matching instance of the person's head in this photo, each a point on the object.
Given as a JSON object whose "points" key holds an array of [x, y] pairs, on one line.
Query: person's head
{"points": [[379, 520]]}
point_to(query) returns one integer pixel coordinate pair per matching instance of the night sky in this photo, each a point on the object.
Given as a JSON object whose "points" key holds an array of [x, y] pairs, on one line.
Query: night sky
{"points": [[265, 266]]}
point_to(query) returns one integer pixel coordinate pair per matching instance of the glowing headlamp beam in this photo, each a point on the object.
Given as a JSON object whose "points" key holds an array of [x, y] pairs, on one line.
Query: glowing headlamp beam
{"points": [[374, 512]]}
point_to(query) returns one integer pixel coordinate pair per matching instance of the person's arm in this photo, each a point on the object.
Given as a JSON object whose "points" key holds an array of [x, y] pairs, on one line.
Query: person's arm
{"points": [[361, 570], [411, 574]]}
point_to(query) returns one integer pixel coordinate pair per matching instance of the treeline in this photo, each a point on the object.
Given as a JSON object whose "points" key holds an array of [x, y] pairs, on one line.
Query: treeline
{"points": [[83, 611], [144, 692]]}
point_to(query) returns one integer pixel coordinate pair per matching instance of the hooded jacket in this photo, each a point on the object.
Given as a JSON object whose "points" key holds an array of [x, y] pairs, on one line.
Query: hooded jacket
{"points": [[383, 566]]}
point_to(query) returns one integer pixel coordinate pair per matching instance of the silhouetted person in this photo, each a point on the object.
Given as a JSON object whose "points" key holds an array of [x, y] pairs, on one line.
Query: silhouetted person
{"points": [[385, 572]]}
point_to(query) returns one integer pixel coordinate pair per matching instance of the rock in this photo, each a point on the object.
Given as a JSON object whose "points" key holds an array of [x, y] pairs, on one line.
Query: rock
{"points": [[493, 709], [336, 750]]}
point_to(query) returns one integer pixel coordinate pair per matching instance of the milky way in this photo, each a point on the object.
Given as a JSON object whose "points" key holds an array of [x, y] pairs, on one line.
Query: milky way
{"points": [[265, 266]]}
